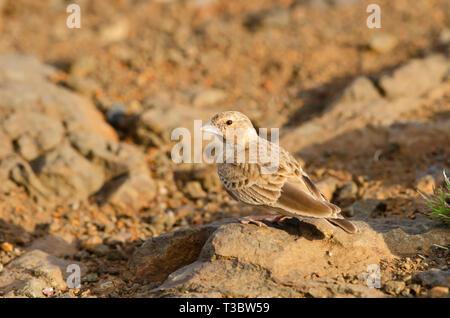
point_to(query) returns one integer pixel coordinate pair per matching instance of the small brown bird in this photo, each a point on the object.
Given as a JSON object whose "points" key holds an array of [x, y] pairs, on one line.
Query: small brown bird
{"points": [[286, 190]]}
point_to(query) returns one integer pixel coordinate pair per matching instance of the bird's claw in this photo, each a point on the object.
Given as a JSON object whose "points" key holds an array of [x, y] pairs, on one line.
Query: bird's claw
{"points": [[261, 221]]}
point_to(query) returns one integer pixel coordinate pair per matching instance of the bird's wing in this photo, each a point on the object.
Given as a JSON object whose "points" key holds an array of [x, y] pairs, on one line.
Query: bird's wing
{"points": [[285, 192], [297, 200]]}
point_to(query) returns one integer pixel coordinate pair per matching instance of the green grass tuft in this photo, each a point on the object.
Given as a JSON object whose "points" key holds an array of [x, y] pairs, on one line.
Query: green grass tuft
{"points": [[439, 202]]}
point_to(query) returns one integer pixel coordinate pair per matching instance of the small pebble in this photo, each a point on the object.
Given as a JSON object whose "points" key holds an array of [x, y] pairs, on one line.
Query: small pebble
{"points": [[7, 247], [394, 287]]}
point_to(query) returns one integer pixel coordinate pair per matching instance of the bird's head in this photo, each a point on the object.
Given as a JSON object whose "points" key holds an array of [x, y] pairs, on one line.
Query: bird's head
{"points": [[231, 125]]}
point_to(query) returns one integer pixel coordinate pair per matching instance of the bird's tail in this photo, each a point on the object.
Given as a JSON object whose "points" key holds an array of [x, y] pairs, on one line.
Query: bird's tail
{"points": [[344, 224]]}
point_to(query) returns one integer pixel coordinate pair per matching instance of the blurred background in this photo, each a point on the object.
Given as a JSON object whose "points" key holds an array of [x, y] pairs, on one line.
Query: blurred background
{"points": [[86, 113]]}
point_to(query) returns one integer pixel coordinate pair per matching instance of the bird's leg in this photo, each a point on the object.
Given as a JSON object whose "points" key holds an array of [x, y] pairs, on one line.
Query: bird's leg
{"points": [[261, 220]]}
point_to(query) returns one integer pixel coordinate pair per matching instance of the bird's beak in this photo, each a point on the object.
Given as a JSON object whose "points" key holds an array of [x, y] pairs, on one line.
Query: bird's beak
{"points": [[210, 128]]}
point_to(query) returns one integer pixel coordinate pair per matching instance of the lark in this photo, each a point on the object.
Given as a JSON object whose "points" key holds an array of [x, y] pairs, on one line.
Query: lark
{"points": [[286, 191]]}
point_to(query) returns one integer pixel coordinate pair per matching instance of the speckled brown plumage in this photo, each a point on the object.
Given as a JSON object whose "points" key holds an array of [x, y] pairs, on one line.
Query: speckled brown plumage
{"points": [[287, 190]]}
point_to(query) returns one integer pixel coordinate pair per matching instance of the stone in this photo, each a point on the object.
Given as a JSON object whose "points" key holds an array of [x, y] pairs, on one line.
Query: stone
{"points": [[54, 245], [134, 192], [20, 172], [208, 97], [415, 288], [82, 66], [38, 265], [394, 287], [347, 194], [404, 89], [433, 277], [114, 158], [346, 121], [116, 114], [155, 125], [26, 88], [23, 67], [363, 209], [248, 261], [328, 186], [326, 4], [426, 184], [32, 288], [160, 256], [91, 243], [277, 18], [6, 147], [119, 238], [108, 286], [237, 260], [48, 291], [194, 190], [415, 77], [92, 277], [383, 42], [34, 133], [444, 37], [7, 247], [361, 89], [86, 86], [67, 174], [439, 292], [55, 142], [116, 31], [402, 243], [101, 250]]}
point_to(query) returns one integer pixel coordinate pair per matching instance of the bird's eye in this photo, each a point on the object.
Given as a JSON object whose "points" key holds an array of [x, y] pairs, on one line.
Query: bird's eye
{"points": [[229, 122]]}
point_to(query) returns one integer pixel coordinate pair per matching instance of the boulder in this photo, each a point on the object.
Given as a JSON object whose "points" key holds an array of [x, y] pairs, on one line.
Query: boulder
{"points": [[33, 271], [56, 143], [34, 133], [362, 112], [67, 174], [415, 77], [54, 245], [299, 258], [155, 125], [361, 89], [135, 192]]}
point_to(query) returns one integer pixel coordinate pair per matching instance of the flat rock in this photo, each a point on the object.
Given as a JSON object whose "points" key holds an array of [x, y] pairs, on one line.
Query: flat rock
{"points": [[361, 89], [295, 259], [415, 77], [135, 192], [156, 125], [116, 159], [433, 277], [54, 245], [33, 133], [208, 97], [67, 174], [55, 142], [248, 261], [160, 256], [33, 270], [383, 43], [6, 147], [361, 105]]}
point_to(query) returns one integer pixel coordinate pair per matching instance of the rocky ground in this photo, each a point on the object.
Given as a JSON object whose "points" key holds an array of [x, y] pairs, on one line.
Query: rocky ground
{"points": [[85, 167]]}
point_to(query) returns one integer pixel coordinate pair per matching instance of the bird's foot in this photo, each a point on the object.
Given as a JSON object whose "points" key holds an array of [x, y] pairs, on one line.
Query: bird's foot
{"points": [[261, 220]]}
